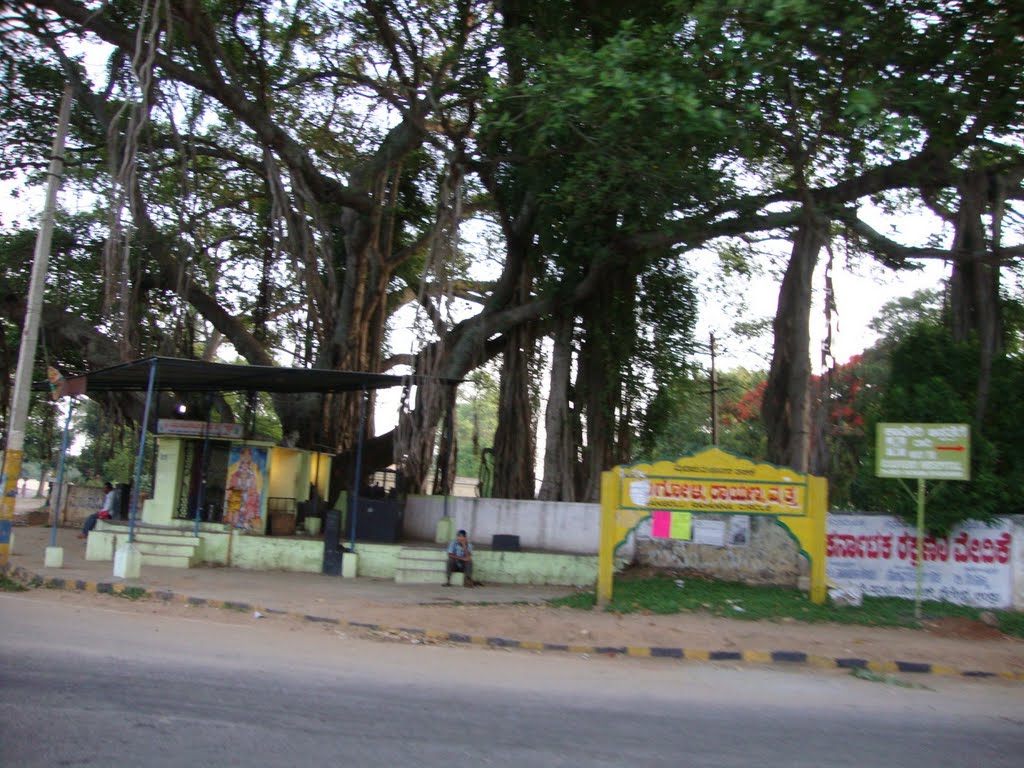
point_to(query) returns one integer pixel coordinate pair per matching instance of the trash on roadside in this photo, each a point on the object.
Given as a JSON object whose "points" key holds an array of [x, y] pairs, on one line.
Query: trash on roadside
{"points": [[680, 583], [257, 615], [846, 596]]}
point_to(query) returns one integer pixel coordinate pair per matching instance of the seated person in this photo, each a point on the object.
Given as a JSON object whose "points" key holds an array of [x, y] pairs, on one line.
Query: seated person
{"points": [[460, 560], [106, 513]]}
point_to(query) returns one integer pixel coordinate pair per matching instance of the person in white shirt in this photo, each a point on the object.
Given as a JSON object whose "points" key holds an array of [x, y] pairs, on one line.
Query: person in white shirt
{"points": [[105, 513]]}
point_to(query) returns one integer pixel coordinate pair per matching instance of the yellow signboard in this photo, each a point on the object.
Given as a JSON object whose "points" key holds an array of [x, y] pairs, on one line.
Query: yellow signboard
{"points": [[712, 481], [695, 494]]}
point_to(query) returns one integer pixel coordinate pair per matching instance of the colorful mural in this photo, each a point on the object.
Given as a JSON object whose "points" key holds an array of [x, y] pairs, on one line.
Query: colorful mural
{"points": [[246, 487]]}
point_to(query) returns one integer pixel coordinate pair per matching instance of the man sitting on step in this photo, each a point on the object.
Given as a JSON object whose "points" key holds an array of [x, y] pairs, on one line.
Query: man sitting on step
{"points": [[460, 560], [106, 513]]}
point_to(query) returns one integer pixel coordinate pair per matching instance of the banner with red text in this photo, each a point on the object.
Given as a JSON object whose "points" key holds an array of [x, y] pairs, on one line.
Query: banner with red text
{"points": [[878, 554]]}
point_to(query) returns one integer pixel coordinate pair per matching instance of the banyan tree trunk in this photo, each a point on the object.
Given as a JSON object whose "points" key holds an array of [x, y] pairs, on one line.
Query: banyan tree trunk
{"points": [[974, 284], [786, 406], [560, 454]]}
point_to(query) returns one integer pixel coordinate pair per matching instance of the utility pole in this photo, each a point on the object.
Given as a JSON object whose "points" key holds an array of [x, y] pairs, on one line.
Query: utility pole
{"points": [[30, 334], [714, 396]]}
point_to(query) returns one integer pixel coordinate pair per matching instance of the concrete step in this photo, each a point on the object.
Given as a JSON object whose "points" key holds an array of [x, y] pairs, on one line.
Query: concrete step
{"points": [[167, 561], [162, 538], [165, 549], [425, 576], [422, 558]]}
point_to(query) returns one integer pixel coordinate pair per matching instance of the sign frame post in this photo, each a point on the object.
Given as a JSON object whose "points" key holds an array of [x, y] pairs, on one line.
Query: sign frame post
{"points": [[713, 481], [922, 451]]}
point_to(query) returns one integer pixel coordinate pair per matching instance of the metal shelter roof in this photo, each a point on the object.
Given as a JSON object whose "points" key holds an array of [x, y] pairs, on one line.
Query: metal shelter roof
{"points": [[178, 375]]}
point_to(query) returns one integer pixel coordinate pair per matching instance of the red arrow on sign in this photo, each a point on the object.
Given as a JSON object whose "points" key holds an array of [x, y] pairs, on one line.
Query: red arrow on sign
{"points": [[949, 447]]}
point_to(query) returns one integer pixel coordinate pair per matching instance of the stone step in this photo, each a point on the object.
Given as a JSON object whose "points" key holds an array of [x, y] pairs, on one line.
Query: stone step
{"points": [[425, 576], [167, 554], [162, 548], [167, 561], [161, 538], [422, 558], [121, 528]]}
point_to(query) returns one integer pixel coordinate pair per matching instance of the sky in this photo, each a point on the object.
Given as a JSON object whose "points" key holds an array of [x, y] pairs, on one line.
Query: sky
{"points": [[861, 288]]}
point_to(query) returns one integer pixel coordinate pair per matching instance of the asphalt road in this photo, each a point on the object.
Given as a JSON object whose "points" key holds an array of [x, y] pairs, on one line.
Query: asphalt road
{"points": [[82, 686]]}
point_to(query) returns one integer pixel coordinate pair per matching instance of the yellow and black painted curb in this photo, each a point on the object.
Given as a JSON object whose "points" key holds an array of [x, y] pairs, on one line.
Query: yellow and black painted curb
{"points": [[779, 657]]}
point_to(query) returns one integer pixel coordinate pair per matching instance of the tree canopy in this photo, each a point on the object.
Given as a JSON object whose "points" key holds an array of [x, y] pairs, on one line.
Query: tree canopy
{"points": [[313, 183]]}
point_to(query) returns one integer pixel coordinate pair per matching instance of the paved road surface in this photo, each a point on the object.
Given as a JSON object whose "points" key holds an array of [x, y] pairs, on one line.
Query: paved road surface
{"points": [[81, 686]]}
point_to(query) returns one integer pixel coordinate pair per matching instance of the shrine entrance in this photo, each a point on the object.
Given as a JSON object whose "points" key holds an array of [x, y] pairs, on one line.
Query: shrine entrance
{"points": [[671, 493]]}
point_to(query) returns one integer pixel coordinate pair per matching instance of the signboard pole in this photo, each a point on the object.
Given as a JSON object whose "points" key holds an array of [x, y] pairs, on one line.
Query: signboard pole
{"points": [[922, 451], [920, 547]]}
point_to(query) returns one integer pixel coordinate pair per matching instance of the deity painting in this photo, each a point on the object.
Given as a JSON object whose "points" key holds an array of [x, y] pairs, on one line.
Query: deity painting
{"points": [[246, 484]]}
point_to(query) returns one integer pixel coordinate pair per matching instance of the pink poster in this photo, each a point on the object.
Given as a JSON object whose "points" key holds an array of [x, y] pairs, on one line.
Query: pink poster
{"points": [[661, 524]]}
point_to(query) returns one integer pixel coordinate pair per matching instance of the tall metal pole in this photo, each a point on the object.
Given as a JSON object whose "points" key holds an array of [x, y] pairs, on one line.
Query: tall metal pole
{"points": [[30, 335], [137, 480], [357, 481], [60, 470], [920, 547], [204, 466], [714, 396]]}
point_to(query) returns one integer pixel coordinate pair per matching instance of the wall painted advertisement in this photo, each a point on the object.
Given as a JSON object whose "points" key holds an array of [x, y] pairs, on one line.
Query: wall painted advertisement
{"points": [[878, 554]]}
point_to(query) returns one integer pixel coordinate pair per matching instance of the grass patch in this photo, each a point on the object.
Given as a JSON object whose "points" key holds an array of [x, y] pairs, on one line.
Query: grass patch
{"points": [[875, 677], [132, 593], [1011, 622], [666, 594], [8, 584]]}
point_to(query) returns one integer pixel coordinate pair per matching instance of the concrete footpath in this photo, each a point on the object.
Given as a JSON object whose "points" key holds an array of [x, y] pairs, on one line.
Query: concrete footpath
{"points": [[360, 603]]}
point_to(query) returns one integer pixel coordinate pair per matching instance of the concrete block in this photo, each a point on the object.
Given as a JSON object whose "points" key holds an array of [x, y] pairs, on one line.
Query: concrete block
{"points": [[100, 545], [127, 562], [349, 565], [54, 557], [445, 530]]}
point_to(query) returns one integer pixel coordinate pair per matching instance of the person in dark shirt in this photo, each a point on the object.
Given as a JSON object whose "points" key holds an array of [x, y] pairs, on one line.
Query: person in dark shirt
{"points": [[460, 560]]}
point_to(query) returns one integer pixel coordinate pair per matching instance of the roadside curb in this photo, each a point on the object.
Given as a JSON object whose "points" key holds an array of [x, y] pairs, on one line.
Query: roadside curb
{"points": [[775, 657]]}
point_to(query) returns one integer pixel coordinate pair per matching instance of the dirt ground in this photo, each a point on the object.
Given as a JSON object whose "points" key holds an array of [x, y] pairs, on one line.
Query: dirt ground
{"points": [[958, 643], [961, 644]]}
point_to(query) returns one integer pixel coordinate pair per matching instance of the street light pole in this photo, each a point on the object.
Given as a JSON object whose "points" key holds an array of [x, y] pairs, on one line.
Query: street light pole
{"points": [[30, 335]]}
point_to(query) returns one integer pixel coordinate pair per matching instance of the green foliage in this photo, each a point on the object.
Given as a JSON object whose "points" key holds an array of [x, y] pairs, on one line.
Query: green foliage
{"points": [[665, 595], [621, 131], [110, 448], [897, 318], [878, 677], [7, 584], [477, 420], [935, 379], [678, 420], [132, 593]]}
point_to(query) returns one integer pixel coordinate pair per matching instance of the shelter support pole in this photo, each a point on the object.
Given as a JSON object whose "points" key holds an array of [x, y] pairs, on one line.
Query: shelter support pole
{"points": [[140, 456], [60, 472], [204, 467], [357, 481]]}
